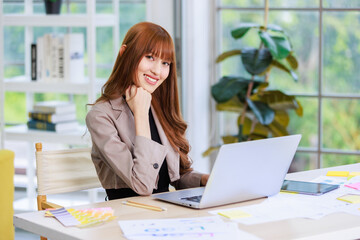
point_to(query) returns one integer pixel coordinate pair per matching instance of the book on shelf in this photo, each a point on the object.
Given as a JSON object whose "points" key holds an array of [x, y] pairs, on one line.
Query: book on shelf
{"points": [[57, 107], [39, 58], [33, 62], [52, 117], [53, 127], [54, 55], [47, 58]]}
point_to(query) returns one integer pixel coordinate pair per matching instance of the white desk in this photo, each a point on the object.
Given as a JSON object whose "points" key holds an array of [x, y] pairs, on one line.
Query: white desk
{"points": [[335, 226]]}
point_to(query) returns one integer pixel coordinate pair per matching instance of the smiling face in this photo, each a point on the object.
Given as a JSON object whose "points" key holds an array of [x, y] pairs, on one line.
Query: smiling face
{"points": [[152, 72]]}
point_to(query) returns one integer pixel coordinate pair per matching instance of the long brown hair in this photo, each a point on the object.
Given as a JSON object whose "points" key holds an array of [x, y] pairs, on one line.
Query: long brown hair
{"points": [[141, 39]]}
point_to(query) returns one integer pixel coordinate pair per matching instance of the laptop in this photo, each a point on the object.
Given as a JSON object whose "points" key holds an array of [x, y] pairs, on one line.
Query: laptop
{"points": [[242, 171]]}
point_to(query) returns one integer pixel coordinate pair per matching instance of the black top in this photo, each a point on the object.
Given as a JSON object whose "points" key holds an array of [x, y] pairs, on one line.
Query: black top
{"points": [[164, 179]]}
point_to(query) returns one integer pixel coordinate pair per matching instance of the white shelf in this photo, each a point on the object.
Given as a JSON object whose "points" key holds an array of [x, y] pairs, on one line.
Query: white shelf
{"points": [[63, 20], [22, 133], [23, 84]]}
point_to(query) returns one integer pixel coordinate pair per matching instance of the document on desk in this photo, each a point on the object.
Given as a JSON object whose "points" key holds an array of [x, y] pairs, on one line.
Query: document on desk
{"points": [[287, 205], [212, 228]]}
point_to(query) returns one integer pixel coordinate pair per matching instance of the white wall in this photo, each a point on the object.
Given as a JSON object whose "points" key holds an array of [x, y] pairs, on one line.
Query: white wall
{"points": [[161, 12]]}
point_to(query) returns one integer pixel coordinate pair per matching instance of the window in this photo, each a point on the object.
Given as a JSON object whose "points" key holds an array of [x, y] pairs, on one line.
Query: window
{"points": [[326, 40]]}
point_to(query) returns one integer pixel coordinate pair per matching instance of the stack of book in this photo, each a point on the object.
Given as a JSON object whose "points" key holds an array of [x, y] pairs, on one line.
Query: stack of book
{"points": [[55, 116]]}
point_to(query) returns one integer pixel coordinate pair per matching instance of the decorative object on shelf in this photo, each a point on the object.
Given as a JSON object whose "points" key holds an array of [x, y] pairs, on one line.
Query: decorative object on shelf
{"points": [[262, 113], [52, 6]]}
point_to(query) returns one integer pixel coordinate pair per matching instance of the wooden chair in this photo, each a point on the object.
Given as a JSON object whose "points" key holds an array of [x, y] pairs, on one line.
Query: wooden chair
{"points": [[63, 171]]}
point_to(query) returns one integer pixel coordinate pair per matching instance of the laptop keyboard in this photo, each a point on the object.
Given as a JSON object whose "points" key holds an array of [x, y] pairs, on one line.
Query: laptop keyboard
{"points": [[193, 199]]}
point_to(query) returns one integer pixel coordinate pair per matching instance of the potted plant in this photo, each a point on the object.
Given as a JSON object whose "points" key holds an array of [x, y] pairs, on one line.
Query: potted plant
{"points": [[52, 6], [262, 112]]}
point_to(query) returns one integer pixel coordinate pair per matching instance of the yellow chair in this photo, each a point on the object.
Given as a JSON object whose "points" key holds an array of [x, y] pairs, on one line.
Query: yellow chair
{"points": [[6, 194], [63, 171]]}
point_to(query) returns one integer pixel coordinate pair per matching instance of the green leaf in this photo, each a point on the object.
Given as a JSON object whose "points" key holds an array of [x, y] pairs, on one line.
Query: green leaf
{"points": [[257, 85], [278, 126], [279, 46], [246, 126], [282, 117], [256, 61], [283, 46], [233, 105], [228, 87], [262, 111], [274, 28], [281, 66], [228, 54], [292, 61], [254, 136], [276, 100], [229, 139], [241, 137], [299, 110], [210, 150], [250, 130], [269, 43], [243, 29]]}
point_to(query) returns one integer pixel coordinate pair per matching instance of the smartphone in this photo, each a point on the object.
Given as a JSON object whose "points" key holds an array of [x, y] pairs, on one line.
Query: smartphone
{"points": [[309, 188]]}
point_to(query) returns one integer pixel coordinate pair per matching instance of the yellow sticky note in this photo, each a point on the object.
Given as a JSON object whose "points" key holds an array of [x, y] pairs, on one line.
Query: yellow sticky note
{"points": [[288, 192], [353, 174], [351, 198], [233, 214], [337, 173]]}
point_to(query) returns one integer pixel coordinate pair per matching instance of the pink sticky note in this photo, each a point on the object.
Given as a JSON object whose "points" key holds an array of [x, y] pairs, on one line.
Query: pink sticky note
{"points": [[354, 185]]}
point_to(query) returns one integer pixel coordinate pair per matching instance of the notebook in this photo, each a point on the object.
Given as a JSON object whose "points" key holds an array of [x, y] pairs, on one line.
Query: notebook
{"points": [[242, 171]]}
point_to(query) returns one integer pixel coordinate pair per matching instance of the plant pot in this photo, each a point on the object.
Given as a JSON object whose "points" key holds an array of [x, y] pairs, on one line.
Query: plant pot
{"points": [[52, 6]]}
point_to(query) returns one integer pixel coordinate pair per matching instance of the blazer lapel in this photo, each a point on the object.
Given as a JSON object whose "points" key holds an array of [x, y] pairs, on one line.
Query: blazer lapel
{"points": [[124, 117], [172, 156]]}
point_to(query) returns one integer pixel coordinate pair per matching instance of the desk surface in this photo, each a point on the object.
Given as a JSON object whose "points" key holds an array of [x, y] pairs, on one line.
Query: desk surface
{"points": [[334, 226]]}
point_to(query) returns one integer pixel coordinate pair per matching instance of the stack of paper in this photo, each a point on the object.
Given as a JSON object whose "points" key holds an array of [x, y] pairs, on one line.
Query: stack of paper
{"points": [[183, 228]]}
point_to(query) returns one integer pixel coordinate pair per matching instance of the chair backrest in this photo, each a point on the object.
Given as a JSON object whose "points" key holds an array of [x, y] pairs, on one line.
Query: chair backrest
{"points": [[63, 171], [6, 194]]}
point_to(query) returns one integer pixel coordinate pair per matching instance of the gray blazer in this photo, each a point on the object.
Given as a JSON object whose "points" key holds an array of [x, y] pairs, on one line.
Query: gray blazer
{"points": [[124, 160]]}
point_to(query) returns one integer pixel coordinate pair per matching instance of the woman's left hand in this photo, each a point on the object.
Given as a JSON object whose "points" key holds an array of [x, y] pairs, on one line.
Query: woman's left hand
{"points": [[204, 179]]}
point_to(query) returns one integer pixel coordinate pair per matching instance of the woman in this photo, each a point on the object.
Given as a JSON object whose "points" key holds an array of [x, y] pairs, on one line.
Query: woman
{"points": [[138, 134]]}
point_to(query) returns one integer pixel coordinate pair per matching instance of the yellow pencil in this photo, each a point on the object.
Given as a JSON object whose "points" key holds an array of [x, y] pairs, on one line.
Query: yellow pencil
{"points": [[142, 205]]}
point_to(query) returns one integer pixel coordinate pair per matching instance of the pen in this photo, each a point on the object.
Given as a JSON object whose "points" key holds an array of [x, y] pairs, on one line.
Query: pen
{"points": [[142, 205]]}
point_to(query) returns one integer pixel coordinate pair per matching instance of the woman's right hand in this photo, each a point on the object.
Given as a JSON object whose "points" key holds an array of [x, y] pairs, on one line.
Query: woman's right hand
{"points": [[139, 101]]}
